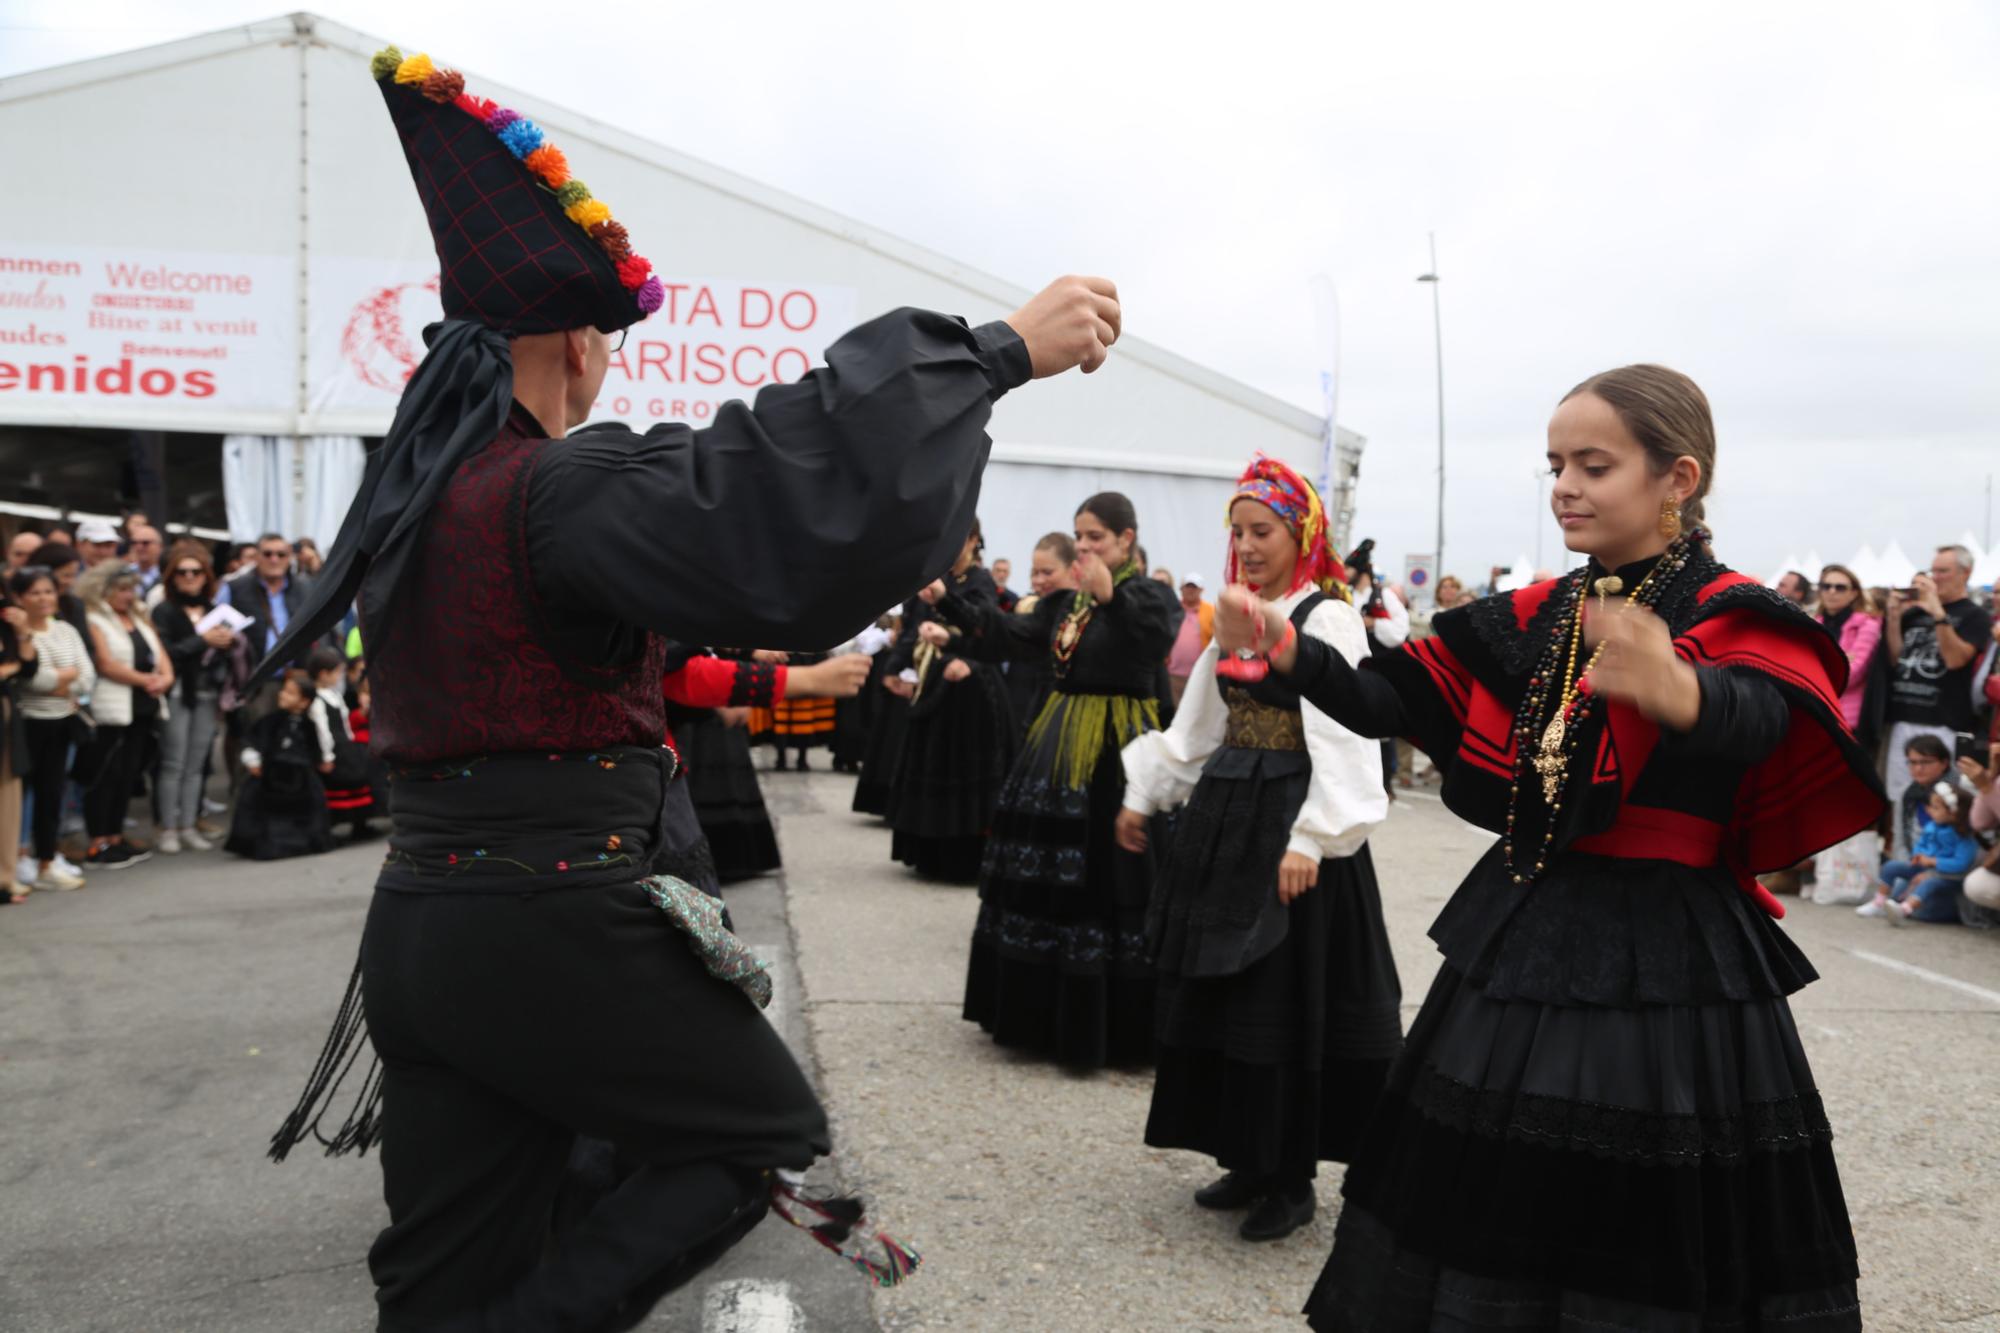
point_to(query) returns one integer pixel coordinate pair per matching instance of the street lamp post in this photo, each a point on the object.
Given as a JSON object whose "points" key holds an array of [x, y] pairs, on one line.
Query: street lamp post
{"points": [[1437, 328]]}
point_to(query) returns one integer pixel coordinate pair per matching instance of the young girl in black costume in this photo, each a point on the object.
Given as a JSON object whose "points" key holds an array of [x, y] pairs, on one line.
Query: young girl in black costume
{"points": [[1058, 961], [1604, 1118], [1279, 1005], [281, 810]]}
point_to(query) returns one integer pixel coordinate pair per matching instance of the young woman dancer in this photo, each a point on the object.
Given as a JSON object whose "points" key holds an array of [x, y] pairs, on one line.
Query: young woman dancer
{"points": [[1279, 1005], [1603, 1118], [960, 741], [1058, 960]]}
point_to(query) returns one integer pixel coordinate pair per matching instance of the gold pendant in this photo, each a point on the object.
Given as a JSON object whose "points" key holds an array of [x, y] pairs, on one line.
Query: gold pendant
{"points": [[1549, 763]]}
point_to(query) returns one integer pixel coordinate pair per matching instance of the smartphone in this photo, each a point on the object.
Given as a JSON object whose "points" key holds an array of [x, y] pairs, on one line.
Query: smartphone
{"points": [[1968, 746]]}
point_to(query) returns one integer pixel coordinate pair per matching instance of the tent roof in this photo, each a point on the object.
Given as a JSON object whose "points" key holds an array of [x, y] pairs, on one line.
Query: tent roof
{"points": [[574, 126]]}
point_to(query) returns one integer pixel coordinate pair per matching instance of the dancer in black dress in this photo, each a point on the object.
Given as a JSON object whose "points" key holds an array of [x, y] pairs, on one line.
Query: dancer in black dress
{"points": [[890, 694], [1279, 1006], [706, 692], [1051, 567], [1058, 961], [1604, 1118], [959, 744]]}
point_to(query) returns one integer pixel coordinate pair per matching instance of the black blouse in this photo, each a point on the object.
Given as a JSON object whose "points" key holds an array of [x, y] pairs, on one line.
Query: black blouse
{"points": [[1120, 652]]}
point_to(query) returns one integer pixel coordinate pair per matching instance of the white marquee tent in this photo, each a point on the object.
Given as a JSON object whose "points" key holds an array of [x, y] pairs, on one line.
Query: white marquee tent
{"points": [[223, 238]]}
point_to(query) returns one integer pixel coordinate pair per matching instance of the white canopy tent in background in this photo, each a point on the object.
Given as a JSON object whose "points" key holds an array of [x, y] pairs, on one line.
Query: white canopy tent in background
{"points": [[299, 486], [281, 295]]}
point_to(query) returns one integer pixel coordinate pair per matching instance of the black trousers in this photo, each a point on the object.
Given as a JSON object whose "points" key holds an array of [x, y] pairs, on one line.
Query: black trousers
{"points": [[509, 1024], [112, 763], [48, 752]]}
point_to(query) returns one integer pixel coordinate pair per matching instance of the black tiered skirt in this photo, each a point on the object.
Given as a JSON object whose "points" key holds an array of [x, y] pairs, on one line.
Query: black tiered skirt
{"points": [[1603, 1119], [1277, 1025], [1058, 964], [883, 749], [722, 783], [957, 749]]}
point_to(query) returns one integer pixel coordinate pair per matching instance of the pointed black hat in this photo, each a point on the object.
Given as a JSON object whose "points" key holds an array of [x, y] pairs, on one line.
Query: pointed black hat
{"points": [[523, 247]]}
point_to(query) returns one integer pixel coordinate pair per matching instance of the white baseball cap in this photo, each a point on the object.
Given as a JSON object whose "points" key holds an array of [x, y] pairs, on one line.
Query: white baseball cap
{"points": [[1193, 581], [96, 530]]}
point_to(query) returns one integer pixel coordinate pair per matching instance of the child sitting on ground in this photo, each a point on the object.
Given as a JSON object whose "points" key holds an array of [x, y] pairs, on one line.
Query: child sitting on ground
{"points": [[281, 811], [349, 797], [1926, 887]]}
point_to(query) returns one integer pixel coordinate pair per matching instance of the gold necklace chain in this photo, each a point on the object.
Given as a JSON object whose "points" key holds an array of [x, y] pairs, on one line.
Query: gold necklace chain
{"points": [[1550, 761]]}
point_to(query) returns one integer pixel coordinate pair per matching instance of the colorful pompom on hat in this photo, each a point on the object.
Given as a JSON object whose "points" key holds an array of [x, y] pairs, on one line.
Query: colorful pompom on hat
{"points": [[523, 247]]}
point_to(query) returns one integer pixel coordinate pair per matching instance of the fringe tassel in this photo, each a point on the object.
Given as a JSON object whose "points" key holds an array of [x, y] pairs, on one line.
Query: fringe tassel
{"points": [[840, 1224], [1084, 723], [344, 1045]]}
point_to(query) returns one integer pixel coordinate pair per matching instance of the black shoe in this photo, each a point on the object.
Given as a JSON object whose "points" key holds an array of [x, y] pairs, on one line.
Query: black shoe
{"points": [[1234, 1190], [1278, 1214], [115, 856], [803, 765], [780, 765]]}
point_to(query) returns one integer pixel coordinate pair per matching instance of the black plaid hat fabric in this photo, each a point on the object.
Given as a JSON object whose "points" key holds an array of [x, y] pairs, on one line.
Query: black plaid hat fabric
{"points": [[508, 257]]}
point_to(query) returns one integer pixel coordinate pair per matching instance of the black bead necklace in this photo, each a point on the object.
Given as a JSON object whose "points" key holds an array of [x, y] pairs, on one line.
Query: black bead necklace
{"points": [[1555, 707]]}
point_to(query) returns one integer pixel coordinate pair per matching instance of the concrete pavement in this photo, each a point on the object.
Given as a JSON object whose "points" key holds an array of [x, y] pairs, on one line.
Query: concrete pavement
{"points": [[158, 1024]]}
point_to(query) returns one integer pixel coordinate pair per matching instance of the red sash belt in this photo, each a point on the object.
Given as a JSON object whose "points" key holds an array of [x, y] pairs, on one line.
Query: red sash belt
{"points": [[1644, 833]]}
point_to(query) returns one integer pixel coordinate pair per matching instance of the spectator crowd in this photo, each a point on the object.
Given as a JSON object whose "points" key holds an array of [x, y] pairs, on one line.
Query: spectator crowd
{"points": [[125, 695], [126, 699]]}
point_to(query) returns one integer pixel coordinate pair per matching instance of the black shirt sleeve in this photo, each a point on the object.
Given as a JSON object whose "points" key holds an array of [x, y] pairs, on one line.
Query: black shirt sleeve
{"points": [[788, 524], [993, 635], [1743, 717], [1362, 701], [1146, 616]]}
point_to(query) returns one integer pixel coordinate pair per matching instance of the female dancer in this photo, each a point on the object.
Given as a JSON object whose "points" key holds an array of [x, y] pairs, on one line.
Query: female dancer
{"points": [[1604, 1118], [700, 685], [1279, 1008], [1051, 565], [1058, 960], [960, 741]]}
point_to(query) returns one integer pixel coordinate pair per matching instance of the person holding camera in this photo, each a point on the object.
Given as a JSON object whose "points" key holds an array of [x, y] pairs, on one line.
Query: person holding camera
{"points": [[1936, 636]]}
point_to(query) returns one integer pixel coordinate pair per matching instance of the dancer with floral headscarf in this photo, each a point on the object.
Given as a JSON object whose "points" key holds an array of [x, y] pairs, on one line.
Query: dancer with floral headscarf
{"points": [[1278, 1010]]}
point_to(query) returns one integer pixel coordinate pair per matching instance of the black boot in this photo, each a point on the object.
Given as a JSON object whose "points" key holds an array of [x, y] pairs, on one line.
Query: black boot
{"points": [[1234, 1190], [1287, 1206]]}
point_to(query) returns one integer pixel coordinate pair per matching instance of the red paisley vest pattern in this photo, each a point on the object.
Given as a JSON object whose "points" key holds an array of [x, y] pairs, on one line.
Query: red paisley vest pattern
{"points": [[468, 666]]}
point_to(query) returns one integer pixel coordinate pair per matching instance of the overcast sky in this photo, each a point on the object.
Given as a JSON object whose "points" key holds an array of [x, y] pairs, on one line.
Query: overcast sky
{"points": [[1797, 204]]}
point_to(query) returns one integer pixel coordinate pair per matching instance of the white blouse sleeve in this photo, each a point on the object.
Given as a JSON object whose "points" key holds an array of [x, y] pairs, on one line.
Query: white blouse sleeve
{"points": [[317, 712], [1161, 767], [1394, 630], [1346, 800]]}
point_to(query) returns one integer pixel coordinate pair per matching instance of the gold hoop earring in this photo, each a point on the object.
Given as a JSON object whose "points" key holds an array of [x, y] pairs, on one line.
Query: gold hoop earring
{"points": [[1670, 519]]}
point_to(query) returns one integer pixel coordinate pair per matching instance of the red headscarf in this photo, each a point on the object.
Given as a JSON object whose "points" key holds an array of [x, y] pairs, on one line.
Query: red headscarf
{"points": [[1292, 498]]}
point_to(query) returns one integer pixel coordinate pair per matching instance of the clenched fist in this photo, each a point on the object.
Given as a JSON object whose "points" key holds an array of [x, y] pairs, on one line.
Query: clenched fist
{"points": [[836, 678], [1071, 322]]}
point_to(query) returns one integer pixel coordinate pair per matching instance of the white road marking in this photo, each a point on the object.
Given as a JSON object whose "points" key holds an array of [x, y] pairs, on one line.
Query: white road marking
{"points": [[751, 1305], [1991, 997]]}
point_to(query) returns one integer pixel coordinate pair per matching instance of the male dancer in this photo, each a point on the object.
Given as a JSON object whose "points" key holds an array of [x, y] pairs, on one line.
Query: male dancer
{"points": [[521, 988]]}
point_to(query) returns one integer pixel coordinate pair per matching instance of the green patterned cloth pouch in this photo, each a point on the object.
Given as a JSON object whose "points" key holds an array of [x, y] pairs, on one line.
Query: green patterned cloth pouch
{"points": [[700, 918]]}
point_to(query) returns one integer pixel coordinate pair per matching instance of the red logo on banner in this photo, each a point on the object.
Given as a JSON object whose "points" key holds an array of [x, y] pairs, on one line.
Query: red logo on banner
{"points": [[380, 342]]}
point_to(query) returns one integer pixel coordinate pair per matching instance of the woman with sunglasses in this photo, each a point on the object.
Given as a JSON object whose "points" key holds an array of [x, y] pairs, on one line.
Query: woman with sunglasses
{"points": [[201, 661], [1845, 872]]}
